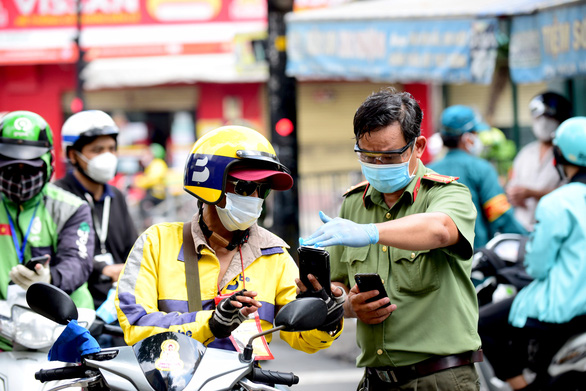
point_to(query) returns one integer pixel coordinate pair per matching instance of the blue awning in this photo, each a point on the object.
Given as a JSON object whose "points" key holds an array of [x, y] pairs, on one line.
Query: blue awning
{"points": [[450, 41], [455, 51]]}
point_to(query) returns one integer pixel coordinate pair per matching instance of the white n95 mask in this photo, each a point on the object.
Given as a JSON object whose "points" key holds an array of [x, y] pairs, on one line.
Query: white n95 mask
{"points": [[101, 168]]}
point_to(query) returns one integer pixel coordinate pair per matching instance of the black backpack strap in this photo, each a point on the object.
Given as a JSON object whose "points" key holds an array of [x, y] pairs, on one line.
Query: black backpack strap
{"points": [[190, 259]]}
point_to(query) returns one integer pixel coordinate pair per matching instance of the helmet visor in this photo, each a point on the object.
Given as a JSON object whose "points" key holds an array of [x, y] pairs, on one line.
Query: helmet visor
{"points": [[23, 149]]}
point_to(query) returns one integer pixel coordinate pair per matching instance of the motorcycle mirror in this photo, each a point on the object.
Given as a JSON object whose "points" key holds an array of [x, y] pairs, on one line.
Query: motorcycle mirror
{"points": [[303, 314], [51, 302]]}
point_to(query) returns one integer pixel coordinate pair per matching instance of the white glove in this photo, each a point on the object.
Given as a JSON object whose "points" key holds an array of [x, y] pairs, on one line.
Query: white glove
{"points": [[24, 277]]}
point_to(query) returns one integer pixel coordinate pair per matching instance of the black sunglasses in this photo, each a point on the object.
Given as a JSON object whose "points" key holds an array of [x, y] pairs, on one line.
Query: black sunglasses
{"points": [[247, 188]]}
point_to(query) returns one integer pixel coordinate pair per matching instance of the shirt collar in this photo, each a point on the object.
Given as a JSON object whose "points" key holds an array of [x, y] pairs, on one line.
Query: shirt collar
{"points": [[107, 188], [258, 239]]}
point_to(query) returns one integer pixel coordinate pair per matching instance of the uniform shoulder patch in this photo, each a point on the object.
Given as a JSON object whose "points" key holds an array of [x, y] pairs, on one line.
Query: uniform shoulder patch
{"points": [[440, 178], [353, 189]]}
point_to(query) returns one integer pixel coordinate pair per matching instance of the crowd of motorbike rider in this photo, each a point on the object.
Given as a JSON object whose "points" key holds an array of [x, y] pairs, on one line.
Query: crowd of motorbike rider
{"points": [[243, 274]]}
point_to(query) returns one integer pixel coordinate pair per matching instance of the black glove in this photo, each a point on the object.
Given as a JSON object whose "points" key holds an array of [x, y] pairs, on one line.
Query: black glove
{"points": [[226, 317], [335, 307]]}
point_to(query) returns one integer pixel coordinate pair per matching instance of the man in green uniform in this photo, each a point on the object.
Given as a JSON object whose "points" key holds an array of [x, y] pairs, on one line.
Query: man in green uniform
{"points": [[415, 228]]}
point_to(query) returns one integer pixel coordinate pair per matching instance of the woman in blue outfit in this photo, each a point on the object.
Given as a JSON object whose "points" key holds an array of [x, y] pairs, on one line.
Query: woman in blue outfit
{"points": [[553, 306]]}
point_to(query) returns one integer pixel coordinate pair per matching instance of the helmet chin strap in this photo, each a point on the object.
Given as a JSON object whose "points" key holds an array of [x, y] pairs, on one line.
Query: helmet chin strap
{"points": [[239, 237]]}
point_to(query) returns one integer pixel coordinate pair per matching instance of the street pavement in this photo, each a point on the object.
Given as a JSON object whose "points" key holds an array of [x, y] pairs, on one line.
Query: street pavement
{"points": [[330, 369]]}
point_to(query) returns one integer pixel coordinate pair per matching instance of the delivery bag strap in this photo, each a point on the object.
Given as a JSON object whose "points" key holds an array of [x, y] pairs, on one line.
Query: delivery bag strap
{"points": [[190, 259]]}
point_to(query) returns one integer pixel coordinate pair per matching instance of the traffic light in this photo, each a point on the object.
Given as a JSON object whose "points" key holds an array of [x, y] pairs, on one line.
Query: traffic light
{"points": [[283, 119]]}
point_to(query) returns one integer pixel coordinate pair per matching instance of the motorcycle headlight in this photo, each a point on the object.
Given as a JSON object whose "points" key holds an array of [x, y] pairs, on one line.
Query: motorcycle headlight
{"points": [[33, 330]]}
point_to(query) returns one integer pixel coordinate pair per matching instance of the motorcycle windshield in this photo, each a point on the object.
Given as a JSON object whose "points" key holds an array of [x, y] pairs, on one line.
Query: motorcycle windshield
{"points": [[169, 360]]}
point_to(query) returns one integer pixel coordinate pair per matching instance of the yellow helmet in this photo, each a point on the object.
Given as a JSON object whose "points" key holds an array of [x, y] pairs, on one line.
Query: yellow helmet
{"points": [[241, 150]]}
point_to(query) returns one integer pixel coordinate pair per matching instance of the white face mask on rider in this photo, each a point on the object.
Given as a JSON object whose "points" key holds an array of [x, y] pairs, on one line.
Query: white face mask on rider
{"points": [[240, 212], [101, 168], [544, 128]]}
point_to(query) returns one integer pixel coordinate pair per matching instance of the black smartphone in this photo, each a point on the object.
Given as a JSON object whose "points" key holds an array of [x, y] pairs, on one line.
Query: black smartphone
{"points": [[36, 260], [314, 261], [370, 282]]}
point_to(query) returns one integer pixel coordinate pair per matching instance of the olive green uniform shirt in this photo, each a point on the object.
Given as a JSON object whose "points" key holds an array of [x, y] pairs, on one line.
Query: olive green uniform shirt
{"points": [[437, 311]]}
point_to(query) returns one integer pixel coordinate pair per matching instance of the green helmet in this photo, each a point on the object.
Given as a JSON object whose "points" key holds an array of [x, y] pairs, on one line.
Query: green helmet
{"points": [[158, 151], [25, 135]]}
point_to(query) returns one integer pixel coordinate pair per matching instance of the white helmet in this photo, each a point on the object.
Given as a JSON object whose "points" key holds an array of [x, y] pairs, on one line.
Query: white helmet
{"points": [[83, 127]]}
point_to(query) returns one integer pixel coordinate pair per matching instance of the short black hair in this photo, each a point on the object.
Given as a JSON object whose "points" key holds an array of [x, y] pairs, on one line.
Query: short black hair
{"points": [[451, 142], [384, 108]]}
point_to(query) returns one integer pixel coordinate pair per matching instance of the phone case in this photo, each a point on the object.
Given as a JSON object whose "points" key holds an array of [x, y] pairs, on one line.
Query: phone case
{"points": [[369, 282], [315, 261]]}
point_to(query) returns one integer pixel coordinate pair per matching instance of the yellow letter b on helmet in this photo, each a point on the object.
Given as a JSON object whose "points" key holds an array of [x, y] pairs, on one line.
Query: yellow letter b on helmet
{"points": [[220, 150]]}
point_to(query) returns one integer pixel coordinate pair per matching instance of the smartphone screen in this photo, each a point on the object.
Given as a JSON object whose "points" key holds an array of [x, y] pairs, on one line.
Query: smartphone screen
{"points": [[369, 282], [314, 261]]}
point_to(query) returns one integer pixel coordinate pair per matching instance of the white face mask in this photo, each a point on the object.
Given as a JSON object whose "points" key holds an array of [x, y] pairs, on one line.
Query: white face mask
{"points": [[240, 212], [474, 146], [544, 128], [101, 168]]}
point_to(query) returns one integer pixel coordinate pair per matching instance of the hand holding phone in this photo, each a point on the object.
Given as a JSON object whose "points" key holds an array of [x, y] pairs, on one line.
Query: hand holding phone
{"points": [[314, 261], [369, 282], [43, 259]]}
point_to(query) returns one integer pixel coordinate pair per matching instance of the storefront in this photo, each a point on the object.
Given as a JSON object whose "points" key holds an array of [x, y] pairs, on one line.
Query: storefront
{"points": [[149, 60], [457, 49]]}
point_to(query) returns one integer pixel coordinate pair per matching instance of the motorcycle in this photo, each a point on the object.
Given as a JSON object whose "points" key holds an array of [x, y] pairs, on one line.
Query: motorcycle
{"points": [[31, 336], [498, 273], [170, 360]]}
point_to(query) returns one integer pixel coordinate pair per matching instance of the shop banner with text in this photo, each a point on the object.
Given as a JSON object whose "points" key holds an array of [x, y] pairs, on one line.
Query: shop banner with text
{"points": [[548, 45], [449, 51], [43, 31]]}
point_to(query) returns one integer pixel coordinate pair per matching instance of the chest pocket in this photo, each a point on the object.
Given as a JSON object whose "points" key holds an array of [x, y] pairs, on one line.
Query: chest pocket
{"points": [[414, 272], [356, 259]]}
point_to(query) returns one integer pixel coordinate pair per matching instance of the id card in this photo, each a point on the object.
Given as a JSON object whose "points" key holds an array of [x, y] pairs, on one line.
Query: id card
{"points": [[242, 334], [106, 258]]}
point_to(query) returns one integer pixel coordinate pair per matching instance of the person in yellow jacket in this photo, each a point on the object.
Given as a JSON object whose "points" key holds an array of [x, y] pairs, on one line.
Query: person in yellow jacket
{"points": [[245, 271], [153, 178]]}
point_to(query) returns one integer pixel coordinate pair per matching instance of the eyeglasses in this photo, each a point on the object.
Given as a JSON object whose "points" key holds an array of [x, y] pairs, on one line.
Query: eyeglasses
{"points": [[396, 156], [247, 188]]}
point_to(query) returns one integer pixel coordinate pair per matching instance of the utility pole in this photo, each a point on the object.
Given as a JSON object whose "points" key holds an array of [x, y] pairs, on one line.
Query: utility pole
{"points": [[283, 120], [78, 102]]}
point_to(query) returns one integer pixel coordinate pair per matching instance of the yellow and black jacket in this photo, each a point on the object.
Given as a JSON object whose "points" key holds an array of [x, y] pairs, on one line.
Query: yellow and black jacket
{"points": [[152, 292]]}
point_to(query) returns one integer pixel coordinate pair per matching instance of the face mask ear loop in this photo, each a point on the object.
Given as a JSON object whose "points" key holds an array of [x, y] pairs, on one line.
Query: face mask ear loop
{"points": [[416, 165], [82, 157], [81, 170]]}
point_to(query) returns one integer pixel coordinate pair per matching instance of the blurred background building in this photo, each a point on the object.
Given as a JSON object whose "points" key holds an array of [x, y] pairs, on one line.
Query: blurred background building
{"points": [[169, 70]]}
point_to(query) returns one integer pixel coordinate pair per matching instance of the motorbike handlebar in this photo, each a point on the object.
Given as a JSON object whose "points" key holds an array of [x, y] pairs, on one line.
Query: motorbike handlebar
{"points": [[115, 331], [99, 327], [273, 377], [45, 375]]}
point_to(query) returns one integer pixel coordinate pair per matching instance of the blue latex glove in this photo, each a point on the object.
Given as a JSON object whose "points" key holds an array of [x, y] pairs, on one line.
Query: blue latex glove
{"points": [[75, 341], [343, 232]]}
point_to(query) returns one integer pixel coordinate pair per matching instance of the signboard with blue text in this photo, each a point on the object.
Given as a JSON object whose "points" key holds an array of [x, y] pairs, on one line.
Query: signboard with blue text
{"points": [[548, 45], [449, 51]]}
